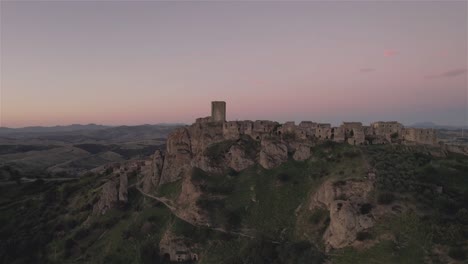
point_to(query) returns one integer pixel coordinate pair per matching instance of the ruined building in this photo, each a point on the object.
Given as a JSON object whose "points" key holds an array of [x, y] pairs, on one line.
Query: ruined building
{"points": [[354, 133]]}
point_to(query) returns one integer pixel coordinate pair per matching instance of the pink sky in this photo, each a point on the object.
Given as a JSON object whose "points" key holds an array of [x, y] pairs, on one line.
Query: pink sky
{"points": [[132, 63]]}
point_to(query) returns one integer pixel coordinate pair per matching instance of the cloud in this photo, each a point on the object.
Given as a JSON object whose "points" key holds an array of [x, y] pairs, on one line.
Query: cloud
{"points": [[447, 74], [364, 70], [390, 53]]}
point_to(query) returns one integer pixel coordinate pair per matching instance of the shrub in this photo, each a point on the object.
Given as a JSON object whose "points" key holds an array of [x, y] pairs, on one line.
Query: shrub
{"points": [[81, 233], [351, 154], [457, 253], [234, 219], [339, 183], [317, 216], [220, 189], [216, 152], [365, 208], [341, 197], [361, 236], [69, 244], [385, 198], [149, 253], [283, 177]]}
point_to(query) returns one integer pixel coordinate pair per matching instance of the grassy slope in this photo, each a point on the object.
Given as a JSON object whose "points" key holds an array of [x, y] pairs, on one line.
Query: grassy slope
{"points": [[255, 201], [439, 218]]}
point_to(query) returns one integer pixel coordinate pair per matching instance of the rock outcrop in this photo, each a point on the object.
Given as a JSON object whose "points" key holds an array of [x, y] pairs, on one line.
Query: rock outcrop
{"points": [[108, 198], [272, 153], [302, 153], [178, 156], [237, 158], [350, 210], [123, 188], [152, 177]]}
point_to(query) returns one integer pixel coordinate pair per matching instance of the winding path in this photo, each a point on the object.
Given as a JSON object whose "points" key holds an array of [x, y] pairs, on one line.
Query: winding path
{"points": [[173, 210]]}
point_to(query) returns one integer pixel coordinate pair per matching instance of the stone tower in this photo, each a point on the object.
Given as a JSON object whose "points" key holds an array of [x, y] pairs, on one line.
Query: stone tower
{"points": [[218, 111]]}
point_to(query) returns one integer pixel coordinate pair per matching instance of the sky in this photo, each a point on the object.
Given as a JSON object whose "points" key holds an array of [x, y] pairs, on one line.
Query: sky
{"points": [[148, 62]]}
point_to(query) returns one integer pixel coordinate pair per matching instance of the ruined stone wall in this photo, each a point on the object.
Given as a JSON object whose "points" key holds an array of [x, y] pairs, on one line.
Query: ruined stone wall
{"points": [[351, 127], [234, 129], [263, 128], [203, 119], [308, 124], [354, 132], [386, 129], [322, 131], [306, 129], [337, 134], [358, 137], [420, 135]]}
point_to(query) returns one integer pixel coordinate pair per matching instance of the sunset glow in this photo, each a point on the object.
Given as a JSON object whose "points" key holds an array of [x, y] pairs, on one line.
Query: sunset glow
{"points": [[128, 63]]}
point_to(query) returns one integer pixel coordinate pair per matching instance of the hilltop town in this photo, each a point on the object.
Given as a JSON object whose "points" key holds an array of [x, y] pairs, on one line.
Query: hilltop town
{"points": [[354, 133], [215, 145], [262, 184]]}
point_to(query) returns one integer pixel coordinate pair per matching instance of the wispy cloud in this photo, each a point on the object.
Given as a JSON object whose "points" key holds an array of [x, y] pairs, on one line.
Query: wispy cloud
{"points": [[390, 53], [447, 74], [364, 70]]}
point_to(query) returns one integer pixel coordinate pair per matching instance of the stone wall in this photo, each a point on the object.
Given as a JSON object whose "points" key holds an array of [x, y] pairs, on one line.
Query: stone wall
{"points": [[420, 135]]}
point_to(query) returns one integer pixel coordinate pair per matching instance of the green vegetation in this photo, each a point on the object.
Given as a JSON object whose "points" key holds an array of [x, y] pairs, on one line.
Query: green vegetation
{"points": [[170, 190], [215, 152], [412, 241], [46, 222], [12, 149], [438, 187], [127, 153]]}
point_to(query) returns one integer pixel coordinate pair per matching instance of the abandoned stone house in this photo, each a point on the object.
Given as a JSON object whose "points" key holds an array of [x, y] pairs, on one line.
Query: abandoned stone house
{"points": [[177, 250], [354, 133]]}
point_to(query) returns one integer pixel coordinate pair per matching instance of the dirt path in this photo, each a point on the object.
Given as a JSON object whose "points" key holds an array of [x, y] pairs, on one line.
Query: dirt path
{"points": [[173, 209]]}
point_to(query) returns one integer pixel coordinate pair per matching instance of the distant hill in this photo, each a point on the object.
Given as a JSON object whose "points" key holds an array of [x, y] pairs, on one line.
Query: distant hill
{"points": [[91, 132], [436, 126], [41, 129]]}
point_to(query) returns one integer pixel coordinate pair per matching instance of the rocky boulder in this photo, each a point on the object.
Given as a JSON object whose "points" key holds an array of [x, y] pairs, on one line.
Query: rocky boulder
{"points": [[272, 153], [349, 207], [237, 158], [108, 198], [302, 153], [346, 221]]}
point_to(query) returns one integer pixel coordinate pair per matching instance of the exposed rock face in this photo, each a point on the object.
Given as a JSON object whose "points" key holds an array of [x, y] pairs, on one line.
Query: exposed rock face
{"points": [[302, 153], [153, 176], [178, 156], [345, 222], [238, 159], [272, 153], [108, 198], [344, 200], [187, 200], [201, 136], [123, 186]]}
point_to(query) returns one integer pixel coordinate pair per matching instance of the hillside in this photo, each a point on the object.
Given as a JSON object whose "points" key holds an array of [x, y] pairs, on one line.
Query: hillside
{"points": [[69, 151], [221, 200]]}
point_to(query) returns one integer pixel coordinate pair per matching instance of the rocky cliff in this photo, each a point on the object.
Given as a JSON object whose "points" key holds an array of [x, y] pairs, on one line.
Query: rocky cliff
{"points": [[350, 210]]}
